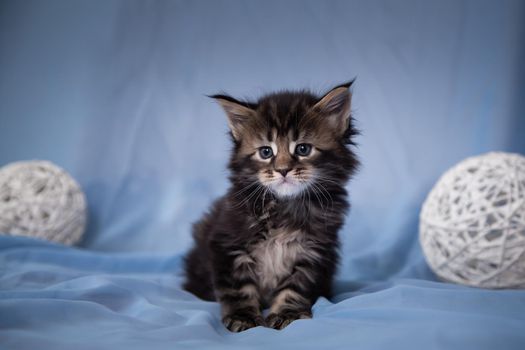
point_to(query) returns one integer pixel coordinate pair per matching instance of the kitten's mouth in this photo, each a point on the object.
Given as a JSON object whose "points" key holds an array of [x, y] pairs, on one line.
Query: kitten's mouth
{"points": [[286, 187], [285, 180]]}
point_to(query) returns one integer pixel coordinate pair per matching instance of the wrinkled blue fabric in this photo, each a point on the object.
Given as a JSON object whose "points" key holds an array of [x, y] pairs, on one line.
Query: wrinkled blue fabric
{"points": [[52, 297], [114, 92]]}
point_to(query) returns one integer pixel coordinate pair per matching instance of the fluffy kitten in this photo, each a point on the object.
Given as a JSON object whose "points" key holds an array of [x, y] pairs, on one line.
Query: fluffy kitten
{"points": [[271, 241]]}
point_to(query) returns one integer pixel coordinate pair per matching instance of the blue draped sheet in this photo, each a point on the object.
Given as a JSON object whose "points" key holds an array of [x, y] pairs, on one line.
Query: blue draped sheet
{"points": [[113, 92], [53, 297]]}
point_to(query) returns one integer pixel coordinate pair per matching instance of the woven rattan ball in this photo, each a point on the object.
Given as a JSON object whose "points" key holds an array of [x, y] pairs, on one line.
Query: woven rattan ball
{"points": [[39, 199], [472, 224]]}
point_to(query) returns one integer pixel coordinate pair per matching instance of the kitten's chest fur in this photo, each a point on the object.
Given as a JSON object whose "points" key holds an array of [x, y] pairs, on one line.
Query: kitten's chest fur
{"points": [[275, 255]]}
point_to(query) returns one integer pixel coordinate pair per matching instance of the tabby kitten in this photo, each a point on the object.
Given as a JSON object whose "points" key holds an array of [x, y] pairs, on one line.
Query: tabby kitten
{"points": [[271, 241]]}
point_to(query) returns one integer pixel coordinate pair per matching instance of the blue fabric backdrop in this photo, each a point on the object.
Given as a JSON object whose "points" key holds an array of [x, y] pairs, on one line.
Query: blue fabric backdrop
{"points": [[114, 92]]}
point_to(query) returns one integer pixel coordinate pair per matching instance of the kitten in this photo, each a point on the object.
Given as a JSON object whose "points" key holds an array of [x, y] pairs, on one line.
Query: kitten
{"points": [[271, 241]]}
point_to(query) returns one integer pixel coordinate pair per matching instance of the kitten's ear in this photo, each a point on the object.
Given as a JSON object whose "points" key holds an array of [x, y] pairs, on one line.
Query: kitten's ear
{"points": [[238, 113], [335, 106]]}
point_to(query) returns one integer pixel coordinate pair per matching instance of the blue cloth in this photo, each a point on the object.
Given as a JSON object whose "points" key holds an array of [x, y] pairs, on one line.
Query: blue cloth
{"points": [[52, 297], [113, 91]]}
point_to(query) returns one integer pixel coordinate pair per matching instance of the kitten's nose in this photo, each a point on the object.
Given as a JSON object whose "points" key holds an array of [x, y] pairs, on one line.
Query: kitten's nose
{"points": [[283, 171]]}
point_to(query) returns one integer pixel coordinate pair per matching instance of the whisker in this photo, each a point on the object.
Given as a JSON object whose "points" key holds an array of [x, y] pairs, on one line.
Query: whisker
{"points": [[330, 199], [247, 199], [307, 208], [245, 188], [255, 200], [309, 202], [327, 179], [314, 190]]}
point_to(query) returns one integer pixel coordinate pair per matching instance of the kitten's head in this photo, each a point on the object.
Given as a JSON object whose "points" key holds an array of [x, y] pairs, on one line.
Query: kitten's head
{"points": [[289, 141]]}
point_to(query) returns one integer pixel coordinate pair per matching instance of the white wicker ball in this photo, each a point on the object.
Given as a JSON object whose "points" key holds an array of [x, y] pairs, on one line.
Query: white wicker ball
{"points": [[39, 199], [472, 224]]}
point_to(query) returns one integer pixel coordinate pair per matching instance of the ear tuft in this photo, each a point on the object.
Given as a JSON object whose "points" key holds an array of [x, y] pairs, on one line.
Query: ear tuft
{"points": [[238, 113], [347, 85], [335, 106]]}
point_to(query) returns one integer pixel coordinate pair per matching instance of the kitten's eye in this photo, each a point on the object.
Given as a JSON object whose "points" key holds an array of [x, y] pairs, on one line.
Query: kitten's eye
{"points": [[265, 152], [303, 149]]}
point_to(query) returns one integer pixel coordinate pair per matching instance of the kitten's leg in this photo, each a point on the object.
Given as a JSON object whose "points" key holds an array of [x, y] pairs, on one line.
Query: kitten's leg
{"points": [[295, 296], [288, 305], [240, 308], [236, 290]]}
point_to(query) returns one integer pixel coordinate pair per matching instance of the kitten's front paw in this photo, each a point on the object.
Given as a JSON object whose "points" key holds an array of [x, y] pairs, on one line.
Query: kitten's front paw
{"points": [[283, 319], [240, 322]]}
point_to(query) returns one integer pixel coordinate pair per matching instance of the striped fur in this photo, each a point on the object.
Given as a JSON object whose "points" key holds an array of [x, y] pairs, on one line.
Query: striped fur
{"points": [[272, 240]]}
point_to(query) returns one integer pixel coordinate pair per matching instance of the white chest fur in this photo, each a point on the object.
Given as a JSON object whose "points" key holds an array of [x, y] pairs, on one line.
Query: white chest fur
{"points": [[276, 256]]}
